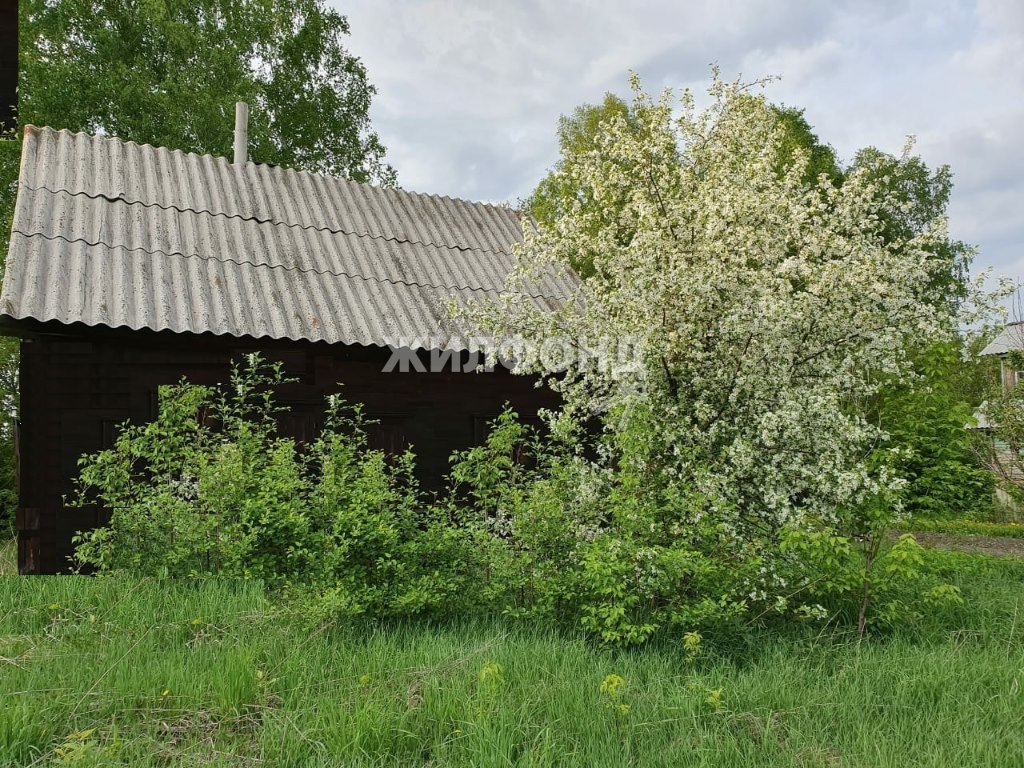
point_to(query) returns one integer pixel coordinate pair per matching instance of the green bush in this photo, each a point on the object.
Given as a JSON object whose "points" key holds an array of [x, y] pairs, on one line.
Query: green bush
{"points": [[926, 419], [211, 488], [622, 550], [565, 527]]}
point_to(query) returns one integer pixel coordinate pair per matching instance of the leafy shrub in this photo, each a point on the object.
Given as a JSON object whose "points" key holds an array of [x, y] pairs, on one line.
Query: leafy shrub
{"points": [[211, 488], [565, 527], [621, 550], [925, 415], [875, 584]]}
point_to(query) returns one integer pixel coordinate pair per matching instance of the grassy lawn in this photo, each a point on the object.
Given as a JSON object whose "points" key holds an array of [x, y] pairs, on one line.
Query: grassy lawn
{"points": [[111, 672]]}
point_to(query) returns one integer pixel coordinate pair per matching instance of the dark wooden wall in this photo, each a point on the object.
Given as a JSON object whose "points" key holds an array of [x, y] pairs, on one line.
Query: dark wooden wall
{"points": [[77, 388], [8, 63]]}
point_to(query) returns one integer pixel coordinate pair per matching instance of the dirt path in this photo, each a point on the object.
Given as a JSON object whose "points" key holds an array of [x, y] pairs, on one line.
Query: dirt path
{"points": [[986, 545]]}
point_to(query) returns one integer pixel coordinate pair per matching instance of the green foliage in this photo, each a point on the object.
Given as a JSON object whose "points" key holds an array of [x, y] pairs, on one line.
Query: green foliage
{"points": [[926, 419], [798, 135], [584, 132], [10, 157], [616, 548], [578, 133], [581, 133], [927, 414], [211, 488], [923, 197], [532, 527], [877, 584], [8, 557], [169, 73]]}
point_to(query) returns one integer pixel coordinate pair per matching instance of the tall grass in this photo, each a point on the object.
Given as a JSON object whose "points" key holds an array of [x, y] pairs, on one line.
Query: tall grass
{"points": [[8, 555], [106, 671]]}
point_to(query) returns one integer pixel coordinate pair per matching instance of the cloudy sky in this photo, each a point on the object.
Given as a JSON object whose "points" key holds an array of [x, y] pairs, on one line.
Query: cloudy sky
{"points": [[469, 91]]}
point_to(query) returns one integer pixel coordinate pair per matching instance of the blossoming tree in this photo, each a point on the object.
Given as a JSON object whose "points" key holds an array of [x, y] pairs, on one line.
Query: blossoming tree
{"points": [[764, 309]]}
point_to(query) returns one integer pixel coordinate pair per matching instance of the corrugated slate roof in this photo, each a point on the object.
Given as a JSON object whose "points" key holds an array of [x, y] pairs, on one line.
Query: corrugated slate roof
{"points": [[114, 233], [1010, 339]]}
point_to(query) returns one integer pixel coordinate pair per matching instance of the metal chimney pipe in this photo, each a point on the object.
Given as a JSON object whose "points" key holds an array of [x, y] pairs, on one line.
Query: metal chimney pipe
{"points": [[241, 132]]}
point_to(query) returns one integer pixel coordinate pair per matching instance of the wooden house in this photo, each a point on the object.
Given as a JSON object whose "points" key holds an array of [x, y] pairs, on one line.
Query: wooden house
{"points": [[1009, 340], [132, 266]]}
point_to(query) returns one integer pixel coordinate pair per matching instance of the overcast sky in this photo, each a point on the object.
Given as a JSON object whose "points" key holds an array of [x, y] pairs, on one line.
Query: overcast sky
{"points": [[469, 92]]}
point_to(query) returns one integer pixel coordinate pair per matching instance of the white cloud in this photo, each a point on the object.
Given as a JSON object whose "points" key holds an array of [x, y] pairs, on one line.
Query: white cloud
{"points": [[469, 92], [1002, 15]]}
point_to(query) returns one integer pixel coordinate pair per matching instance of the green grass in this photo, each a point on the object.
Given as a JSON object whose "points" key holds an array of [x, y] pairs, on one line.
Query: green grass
{"points": [[114, 672], [8, 556], [967, 527]]}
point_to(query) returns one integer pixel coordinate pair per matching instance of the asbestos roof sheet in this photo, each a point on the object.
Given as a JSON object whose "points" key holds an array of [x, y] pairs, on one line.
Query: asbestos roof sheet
{"points": [[1010, 339], [118, 234]]}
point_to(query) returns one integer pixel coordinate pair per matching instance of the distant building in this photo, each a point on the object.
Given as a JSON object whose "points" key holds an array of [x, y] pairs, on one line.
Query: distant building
{"points": [[132, 266], [1003, 460], [1010, 339]]}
